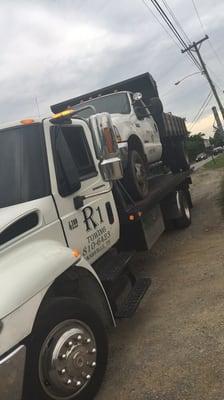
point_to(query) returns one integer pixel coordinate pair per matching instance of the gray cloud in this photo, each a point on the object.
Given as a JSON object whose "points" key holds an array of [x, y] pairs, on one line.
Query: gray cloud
{"points": [[53, 50]]}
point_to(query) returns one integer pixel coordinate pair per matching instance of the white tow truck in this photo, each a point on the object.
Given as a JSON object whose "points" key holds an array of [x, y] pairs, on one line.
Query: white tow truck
{"points": [[68, 229]]}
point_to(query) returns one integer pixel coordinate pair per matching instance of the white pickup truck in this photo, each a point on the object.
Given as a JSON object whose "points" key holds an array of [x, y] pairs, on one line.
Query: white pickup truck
{"points": [[144, 133], [65, 231]]}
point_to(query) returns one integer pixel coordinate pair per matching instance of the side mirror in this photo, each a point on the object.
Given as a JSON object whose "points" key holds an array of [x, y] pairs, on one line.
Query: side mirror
{"points": [[111, 169], [106, 147], [155, 106], [104, 136], [137, 96], [141, 112]]}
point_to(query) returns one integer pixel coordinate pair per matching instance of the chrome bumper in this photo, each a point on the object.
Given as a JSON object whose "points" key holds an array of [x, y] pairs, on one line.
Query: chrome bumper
{"points": [[11, 374]]}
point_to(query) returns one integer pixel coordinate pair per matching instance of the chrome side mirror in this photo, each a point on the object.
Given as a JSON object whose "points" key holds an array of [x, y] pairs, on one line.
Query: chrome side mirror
{"points": [[106, 147], [137, 96], [104, 137]]}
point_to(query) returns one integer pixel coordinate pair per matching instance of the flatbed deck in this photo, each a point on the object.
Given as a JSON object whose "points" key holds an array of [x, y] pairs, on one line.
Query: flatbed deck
{"points": [[160, 187]]}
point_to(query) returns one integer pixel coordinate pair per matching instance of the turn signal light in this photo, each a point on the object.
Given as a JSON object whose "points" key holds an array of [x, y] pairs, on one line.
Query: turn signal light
{"points": [[27, 121], [76, 253]]}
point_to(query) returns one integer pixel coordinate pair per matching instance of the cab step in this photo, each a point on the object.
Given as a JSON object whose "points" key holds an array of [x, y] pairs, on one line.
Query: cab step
{"points": [[112, 265], [131, 303]]}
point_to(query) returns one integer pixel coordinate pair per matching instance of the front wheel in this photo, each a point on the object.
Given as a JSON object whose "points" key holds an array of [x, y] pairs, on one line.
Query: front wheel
{"points": [[135, 179], [67, 353]]}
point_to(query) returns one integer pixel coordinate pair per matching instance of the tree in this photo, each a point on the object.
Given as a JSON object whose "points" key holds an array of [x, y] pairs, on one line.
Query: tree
{"points": [[195, 145]]}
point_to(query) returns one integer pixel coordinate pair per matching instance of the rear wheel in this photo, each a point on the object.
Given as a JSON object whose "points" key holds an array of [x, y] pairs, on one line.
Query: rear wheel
{"points": [[67, 353], [184, 220], [135, 179]]}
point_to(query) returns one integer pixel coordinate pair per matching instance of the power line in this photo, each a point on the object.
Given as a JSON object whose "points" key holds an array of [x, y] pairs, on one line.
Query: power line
{"points": [[201, 110], [195, 46], [203, 30], [199, 18], [217, 77], [175, 31], [157, 19], [176, 21], [180, 40]]}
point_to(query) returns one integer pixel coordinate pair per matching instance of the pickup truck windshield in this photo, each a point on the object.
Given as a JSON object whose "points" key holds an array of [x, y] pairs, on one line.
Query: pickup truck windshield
{"points": [[116, 103], [23, 165]]}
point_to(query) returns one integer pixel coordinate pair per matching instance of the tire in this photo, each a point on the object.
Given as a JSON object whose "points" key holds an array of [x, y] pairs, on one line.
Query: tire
{"points": [[176, 157], [185, 210], [135, 179], [76, 335]]}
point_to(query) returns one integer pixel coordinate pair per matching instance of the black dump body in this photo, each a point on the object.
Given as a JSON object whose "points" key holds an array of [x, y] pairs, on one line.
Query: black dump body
{"points": [[169, 125], [143, 83]]}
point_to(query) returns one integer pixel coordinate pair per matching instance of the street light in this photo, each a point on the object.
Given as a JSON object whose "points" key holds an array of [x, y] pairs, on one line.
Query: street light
{"points": [[188, 76]]}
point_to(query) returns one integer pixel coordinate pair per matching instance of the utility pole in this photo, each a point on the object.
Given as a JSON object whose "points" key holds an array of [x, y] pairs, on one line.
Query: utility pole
{"points": [[195, 46], [218, 122]]}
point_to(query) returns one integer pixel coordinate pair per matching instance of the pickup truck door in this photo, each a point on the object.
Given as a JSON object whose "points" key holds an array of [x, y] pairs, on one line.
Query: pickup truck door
{"points": [[147, 130], [94, 227]]}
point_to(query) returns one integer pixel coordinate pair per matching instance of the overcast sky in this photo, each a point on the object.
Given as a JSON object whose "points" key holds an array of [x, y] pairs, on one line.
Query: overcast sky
{"points": [[55, 49]]}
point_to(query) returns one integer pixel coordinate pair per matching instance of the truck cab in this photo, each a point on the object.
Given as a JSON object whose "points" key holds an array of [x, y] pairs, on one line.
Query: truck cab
{"points": [[57, 216]]}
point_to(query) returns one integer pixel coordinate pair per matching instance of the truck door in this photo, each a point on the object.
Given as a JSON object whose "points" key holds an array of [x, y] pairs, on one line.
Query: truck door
{"points": [[94, 227], [147, 129]]}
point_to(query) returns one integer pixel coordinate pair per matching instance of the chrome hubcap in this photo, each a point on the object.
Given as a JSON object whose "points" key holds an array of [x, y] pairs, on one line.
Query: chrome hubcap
{"points": [[67, 359]]}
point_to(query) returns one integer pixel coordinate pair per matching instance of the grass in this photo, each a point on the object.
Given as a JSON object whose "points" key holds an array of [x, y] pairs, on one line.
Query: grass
{"points": [[217, 162]]}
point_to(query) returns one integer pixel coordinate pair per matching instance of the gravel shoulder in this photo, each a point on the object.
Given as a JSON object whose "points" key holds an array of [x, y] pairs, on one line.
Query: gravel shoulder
{"points": [[173, 348]]}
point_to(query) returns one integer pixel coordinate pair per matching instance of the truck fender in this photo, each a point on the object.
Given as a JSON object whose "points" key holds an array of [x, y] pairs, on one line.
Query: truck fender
{"points": [[136, 143], [82, 282], [48, 263], [26, 274]]}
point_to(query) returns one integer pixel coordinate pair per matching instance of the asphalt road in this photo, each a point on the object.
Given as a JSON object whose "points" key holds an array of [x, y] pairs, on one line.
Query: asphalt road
{"points": [[173, 348]]}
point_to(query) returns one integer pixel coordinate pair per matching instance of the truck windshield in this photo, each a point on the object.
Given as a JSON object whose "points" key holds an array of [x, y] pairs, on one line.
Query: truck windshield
{"points": [[23, 166], [116, 103]]}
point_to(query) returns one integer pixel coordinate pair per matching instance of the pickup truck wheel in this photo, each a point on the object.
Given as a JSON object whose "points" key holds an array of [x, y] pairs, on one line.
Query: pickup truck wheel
{"points": [[67, 353], [184, 207], [136, 180]]}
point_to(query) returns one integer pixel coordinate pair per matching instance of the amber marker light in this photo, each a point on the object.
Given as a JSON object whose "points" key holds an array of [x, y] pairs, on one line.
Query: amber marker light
{"points": [[27, 121], [64, 113], [76, 253], [131, 217]]}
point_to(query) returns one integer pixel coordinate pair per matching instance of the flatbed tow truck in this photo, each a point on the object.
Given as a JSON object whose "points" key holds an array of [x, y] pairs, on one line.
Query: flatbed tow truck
{"points": [[66, 240]]}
